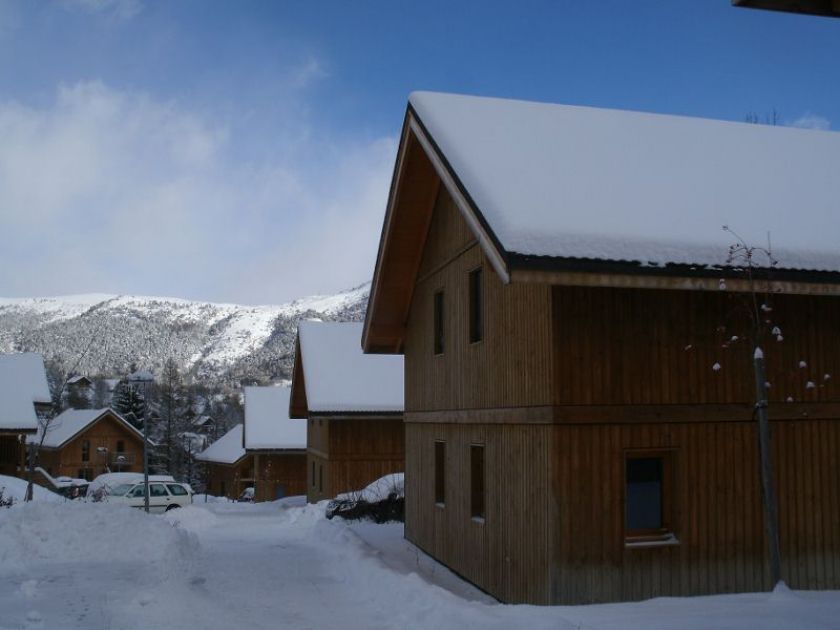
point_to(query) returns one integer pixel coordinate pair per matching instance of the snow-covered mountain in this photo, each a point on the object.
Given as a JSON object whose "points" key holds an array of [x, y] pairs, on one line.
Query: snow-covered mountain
{"points": [[225, 342]]}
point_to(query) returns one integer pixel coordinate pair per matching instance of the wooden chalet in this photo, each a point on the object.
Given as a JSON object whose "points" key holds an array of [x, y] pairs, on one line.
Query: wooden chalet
{"points": [[276, 443], [579, 392], [229, 469], [84, 443], [353, 404], [24, 397]]}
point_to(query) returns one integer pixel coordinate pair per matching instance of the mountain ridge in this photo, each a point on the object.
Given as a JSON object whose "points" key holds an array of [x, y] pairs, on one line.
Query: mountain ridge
{"points": [[209, 341]]}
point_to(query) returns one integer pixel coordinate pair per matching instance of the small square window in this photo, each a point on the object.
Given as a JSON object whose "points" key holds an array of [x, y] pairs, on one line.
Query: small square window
{"points": [[648, 512]]}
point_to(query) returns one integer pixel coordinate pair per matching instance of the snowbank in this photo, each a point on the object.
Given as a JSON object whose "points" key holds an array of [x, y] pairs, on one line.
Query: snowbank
{"points": [[33, 533], [191, 518], [15, 488], [380, 489]]}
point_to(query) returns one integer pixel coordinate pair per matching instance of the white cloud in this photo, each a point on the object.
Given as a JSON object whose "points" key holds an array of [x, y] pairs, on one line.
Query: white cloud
{"points": [[812, 121], [117, 192]]}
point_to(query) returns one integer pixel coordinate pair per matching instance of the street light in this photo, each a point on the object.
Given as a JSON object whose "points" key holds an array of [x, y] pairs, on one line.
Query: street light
{"points": [[142, 376]]}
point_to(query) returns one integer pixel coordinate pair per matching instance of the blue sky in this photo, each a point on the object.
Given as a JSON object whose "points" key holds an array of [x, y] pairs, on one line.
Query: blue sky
{"points": [[241, 151]]}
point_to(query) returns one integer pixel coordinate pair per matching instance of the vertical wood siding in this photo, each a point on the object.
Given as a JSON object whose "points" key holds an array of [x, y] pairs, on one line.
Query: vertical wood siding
{"points": [[638, 346], [278, 473], [508, 553], [358, 451], [512, 366]]}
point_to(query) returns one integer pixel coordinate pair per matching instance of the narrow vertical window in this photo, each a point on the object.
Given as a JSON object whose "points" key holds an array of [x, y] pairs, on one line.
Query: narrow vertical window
{"points": [[477, 481], [320, 477], [85, 450], [439, 340], [120, 446], [647, 502], [476, 306], [440, 472], [313, 474]]}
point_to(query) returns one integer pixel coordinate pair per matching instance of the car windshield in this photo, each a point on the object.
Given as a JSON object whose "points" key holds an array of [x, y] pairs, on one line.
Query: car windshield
{"points": [[121, 489]]}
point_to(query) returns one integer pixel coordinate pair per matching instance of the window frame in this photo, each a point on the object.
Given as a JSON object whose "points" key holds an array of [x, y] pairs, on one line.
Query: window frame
{"points": [[475, 286], [440, 473], [667, 533], [85, 450], [478, 492], [438, 322]]}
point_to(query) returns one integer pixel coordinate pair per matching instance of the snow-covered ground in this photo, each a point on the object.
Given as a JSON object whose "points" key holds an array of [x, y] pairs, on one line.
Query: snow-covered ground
{"points": [[283, 565]]}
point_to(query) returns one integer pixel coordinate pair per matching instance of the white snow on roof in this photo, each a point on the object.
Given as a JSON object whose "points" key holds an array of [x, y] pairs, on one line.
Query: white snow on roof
{"points": [[267, 422], [339, 376], [226, 450], [71, 422], [558, 180], [23, 382]]}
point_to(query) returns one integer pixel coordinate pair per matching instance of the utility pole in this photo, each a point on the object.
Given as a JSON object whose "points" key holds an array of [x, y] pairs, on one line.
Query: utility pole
{"points": [[145, 378]]}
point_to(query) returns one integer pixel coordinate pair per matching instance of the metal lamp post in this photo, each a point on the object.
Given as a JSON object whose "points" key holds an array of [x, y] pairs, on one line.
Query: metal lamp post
{"points": [[145, 378]]}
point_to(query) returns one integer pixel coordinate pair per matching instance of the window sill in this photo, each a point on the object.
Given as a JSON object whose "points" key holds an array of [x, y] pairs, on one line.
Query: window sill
{"points": [[644, 542]]}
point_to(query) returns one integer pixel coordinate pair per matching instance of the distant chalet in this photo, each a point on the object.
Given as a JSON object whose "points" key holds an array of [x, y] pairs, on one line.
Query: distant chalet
{"points": [[229, 468], [552, 275], [276, 443], [24, 397], [354, 406]]}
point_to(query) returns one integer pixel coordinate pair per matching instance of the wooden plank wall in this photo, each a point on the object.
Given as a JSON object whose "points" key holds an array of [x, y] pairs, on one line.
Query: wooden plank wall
{"points": [[643, 346], [718, 513], [364, 449], [104, 433], [509, 554], [276, 471], [512, 366], [10, 455], [235, 478]]}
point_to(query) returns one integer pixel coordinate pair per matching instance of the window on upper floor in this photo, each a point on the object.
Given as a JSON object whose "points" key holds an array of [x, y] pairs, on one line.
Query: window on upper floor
{"points": [[120, 446], [85, 450], [439, 323], [476, 305]]}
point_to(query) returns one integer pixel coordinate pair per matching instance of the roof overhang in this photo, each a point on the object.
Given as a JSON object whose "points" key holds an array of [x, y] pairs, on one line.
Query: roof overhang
{"points": [[421, 168], [298, 407], [828, 8]]}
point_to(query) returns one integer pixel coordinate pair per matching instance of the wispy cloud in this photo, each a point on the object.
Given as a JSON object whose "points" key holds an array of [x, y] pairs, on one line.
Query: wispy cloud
{"points": [[106, 190], [120, 10], [812, 121]]}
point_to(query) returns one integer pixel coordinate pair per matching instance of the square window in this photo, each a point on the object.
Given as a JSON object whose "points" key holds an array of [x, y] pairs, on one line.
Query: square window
{"points": [[648, 512]]}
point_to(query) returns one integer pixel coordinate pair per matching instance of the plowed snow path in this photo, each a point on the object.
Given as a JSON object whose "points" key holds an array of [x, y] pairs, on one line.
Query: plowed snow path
{"points": [[278, 566]]}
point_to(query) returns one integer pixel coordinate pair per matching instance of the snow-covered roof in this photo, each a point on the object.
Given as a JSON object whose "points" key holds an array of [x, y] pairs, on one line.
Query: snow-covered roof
{"points": [[23, 382], [68, 424], [226, 450], [583, 183], [267, 422], [340, 377]]}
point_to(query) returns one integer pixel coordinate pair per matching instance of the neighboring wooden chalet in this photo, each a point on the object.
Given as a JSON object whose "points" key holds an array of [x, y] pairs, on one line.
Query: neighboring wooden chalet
{"points": [[84, 443], [277, 444], [24, 397], [354, 406], [229, 468], [579, 392]]}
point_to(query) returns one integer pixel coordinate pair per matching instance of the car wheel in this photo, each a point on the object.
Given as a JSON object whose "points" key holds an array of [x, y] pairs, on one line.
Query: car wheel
{"points": [[172, 507]]}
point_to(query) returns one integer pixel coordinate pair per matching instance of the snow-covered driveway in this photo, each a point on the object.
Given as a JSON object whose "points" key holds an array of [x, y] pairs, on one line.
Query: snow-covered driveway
{"points": [[215, 566]]}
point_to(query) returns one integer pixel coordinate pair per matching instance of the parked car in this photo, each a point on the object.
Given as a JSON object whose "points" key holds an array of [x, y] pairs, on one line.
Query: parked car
{"points": [[247, 495], [163, 496]]}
